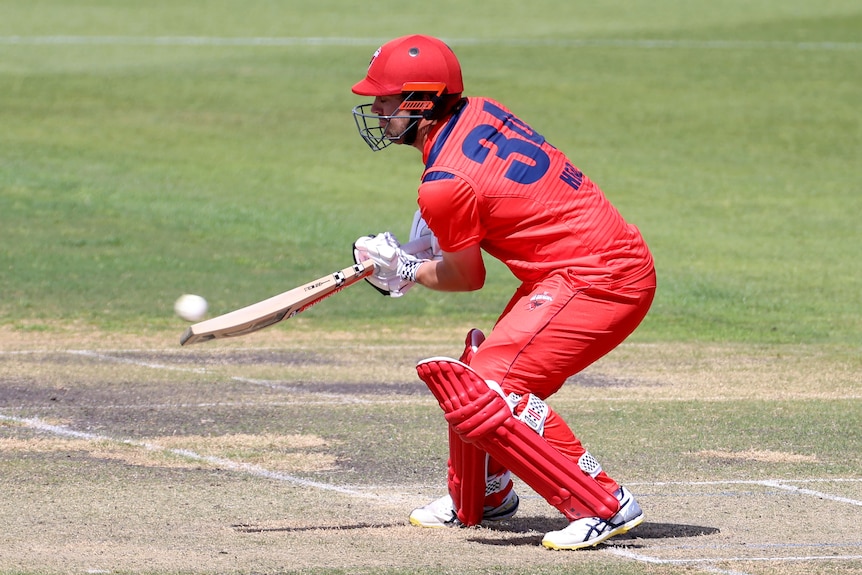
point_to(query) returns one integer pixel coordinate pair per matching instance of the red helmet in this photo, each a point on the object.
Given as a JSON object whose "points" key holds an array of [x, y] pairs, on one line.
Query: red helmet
{"points": [[411, 59]]}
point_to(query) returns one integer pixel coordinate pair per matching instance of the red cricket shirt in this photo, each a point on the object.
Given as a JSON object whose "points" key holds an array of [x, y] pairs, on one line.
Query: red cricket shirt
{"points": [[491, 179]]}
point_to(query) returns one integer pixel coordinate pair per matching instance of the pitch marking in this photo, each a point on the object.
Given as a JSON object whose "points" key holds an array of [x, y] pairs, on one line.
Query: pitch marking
{"points": [[342, 398], [706, 563], [256, 470], [775, 484]]}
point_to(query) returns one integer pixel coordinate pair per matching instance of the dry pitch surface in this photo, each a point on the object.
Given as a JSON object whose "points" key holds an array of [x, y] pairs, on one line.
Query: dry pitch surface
{"points": [[300, 451]]}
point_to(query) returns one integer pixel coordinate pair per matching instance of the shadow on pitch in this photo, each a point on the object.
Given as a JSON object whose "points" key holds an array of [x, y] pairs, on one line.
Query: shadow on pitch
{"points": [[243, 528], [534, 528]]}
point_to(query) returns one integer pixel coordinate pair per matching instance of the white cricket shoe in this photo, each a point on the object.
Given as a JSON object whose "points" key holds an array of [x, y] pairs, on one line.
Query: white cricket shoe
{"points": [[438, 513], [441, 512], [591, 531]]}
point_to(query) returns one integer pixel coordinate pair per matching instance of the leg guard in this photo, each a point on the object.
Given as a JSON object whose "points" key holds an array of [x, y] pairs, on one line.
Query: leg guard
{"points": [[466, 479], [475, 481], [480, 415], [466, 461]]}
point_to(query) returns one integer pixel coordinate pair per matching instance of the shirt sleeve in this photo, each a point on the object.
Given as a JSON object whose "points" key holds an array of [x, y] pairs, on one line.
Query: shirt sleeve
{"points": [[451, 209]]}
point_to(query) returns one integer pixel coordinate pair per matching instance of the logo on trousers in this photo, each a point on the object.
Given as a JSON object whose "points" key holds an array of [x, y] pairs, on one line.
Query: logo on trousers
{"points": [[539, 300]]}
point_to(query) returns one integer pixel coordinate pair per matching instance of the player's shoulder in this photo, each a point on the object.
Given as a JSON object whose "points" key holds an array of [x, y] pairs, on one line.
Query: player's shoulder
{"points": [[445, 190], [443, 181], [483, 105]]}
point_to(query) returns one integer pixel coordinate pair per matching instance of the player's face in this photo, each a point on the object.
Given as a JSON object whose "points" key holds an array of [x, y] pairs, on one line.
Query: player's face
{"points": [[393, 122]]}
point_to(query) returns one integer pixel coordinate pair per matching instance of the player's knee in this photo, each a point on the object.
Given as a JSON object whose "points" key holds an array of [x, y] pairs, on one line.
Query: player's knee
{"points": [[530, 409], [480, 417], [476, 408]]}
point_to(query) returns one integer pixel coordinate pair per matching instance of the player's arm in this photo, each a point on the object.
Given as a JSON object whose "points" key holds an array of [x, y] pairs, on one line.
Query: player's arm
{"points": [[452, 204], [452, 211], [463, 270], [396, 269]]}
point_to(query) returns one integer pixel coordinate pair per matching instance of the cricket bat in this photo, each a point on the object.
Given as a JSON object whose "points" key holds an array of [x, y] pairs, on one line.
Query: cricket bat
{"points": [[284, 305]]}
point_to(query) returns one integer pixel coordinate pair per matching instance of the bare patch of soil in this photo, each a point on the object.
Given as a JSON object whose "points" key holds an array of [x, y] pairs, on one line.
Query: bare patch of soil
{"points": [[360, 442], [757, 455]]}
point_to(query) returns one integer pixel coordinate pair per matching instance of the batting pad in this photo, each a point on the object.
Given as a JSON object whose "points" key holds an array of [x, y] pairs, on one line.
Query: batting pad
{"points": [[467, 479], [480, 415]]}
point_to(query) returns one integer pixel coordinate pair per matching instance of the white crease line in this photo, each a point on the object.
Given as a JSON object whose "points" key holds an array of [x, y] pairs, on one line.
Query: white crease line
{"points": [[746, 481], [150, 406], [39, 425], [826, 480], [783, 484], [640, 557], [102, 356], [764, 546], [818, 494], [709, 560], [255, 470], [226, 351], [706, 564], [289, 41], [342, 398]]}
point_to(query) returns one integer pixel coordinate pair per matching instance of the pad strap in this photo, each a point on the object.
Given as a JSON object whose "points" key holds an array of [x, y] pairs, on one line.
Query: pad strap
{"points": [[535, 411]]}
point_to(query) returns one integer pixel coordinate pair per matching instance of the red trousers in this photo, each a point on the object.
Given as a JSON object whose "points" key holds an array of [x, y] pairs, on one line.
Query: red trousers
{"points": [[552, 330]]}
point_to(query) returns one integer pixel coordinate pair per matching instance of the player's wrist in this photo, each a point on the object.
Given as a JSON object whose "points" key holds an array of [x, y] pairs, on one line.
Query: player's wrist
{"points": [[408, 270], [408, 266]]}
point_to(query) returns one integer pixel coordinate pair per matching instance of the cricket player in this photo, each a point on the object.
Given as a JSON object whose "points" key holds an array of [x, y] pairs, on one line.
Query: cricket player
{"points": [[493, 185]]}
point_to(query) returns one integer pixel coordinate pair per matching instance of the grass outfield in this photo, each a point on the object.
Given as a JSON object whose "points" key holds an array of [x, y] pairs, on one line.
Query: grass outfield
{"points": [[135, 169], [154, 148]]}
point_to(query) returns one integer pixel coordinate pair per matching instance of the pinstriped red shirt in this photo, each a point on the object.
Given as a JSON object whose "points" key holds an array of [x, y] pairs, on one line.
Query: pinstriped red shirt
{"points": [[490, 179]]}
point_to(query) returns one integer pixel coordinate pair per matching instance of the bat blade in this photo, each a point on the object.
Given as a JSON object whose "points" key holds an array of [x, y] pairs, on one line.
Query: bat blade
{"points": [[270, 311]]}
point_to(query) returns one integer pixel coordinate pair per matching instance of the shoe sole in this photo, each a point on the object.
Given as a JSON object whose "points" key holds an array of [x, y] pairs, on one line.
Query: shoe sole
{"points": [[625, 527], [418, 523], [501, 516]]}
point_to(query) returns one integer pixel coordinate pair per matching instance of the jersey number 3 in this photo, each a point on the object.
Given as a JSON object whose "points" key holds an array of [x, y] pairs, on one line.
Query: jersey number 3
{"points": [[526, 143]]}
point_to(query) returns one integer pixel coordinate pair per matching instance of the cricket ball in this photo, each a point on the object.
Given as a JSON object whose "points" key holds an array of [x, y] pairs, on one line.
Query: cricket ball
{"points": [[191, 307]]}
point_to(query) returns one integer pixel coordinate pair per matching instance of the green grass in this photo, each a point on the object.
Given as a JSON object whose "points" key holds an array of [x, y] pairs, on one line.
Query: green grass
{"points": [[665, 442], [132, 173]]}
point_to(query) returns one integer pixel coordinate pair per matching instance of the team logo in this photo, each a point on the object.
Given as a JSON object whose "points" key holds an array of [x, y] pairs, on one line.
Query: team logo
{"points": [[374, 57], [539, 300]]}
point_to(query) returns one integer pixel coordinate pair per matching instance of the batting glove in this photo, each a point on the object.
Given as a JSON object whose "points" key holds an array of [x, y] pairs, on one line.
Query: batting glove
{"points": [[383, 249], [408, 265]]}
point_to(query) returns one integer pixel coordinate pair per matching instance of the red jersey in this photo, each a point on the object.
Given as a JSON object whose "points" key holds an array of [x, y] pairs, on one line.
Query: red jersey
{"points": [[491, 180]]}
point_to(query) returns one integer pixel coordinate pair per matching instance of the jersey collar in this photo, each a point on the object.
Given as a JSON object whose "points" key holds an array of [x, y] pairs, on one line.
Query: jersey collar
{"points": [[438, 135]]}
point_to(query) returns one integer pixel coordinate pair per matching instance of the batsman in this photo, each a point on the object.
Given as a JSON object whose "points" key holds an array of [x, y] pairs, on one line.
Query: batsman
{"points": [[493, 185]]}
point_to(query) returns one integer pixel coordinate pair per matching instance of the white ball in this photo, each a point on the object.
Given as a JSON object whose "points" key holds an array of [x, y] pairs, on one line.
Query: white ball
{"points": [[191, 307]]}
